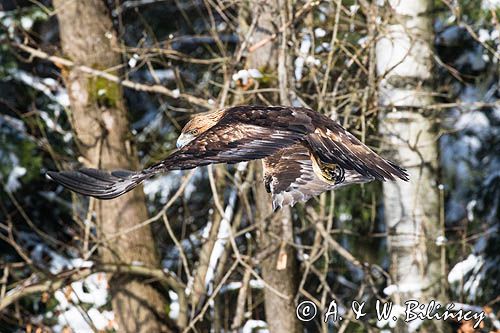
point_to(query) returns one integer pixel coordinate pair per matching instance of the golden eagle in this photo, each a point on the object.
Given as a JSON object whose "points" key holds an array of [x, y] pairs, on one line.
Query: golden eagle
{"points": [[304, 154]]}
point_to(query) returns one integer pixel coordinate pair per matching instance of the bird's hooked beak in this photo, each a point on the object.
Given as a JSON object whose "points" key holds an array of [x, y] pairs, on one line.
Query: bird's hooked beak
{"points": [[184, 139]]}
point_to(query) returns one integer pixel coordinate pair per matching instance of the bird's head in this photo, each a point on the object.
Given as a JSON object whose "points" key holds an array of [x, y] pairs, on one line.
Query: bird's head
{"points": [[197, 126]]}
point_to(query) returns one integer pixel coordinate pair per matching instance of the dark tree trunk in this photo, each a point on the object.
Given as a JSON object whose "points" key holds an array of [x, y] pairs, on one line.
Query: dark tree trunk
{"points": [[99, 119], [279, 267]]}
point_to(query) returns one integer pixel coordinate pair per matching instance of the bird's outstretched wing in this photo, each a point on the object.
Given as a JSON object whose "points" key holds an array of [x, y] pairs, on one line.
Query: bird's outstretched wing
{"points": [[334, 144], [229, 143], [244, 133], [290, 177]]}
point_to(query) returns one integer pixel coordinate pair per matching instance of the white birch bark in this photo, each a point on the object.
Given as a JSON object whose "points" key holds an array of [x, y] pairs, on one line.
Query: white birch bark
{"points": [[411, 209]]}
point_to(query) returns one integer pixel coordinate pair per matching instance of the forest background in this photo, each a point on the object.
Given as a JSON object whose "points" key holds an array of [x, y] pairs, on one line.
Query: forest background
{"points": [[111, 83]]}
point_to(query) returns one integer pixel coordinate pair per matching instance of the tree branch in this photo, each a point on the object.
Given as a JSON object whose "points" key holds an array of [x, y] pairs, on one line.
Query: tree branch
{"points": [[336, 246], [67, 277], [159, 89]]}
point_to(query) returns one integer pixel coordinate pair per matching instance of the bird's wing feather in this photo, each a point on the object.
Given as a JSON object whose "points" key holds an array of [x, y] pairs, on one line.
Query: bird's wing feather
{"points": [[98, 183], [333, 144], [242, 134], [291, 177]]}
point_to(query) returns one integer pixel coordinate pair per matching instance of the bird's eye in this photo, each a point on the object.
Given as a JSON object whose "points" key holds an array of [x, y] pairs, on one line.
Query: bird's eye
{"points": [[193, 132]]}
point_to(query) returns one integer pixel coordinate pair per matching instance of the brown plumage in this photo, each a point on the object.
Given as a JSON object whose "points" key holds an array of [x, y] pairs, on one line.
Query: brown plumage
{"points": [[304, 154]]}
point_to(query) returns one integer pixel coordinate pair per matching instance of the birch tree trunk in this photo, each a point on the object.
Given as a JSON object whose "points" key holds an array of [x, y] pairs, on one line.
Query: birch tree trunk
{"points": [[279, 266], [99, 119], [411, 209]]}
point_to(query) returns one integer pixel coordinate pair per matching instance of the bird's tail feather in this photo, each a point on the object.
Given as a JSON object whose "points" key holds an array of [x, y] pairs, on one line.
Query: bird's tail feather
{"points": [[99, 183]]}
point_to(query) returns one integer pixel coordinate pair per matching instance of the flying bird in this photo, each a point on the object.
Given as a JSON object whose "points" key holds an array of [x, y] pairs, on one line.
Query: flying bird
{"points": [[304, 153]]}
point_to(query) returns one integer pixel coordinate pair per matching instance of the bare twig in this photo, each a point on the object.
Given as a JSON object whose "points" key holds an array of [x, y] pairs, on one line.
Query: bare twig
{"points": [[336, 246], [67, 277], [113, 78]]}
